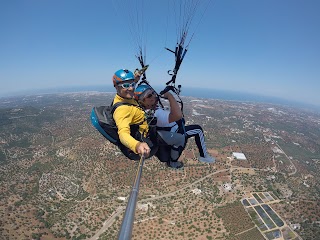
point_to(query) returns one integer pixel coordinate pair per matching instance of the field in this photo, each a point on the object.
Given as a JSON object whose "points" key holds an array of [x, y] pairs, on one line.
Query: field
{"points": [[235, 218]]}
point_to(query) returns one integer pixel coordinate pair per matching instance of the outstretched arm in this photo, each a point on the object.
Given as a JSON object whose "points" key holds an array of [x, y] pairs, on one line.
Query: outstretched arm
{"points": [[175, 110], [123, 118]]}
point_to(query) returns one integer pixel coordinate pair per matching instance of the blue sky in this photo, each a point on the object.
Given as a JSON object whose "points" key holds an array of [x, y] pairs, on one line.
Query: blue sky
{"points": [[267, 47]]}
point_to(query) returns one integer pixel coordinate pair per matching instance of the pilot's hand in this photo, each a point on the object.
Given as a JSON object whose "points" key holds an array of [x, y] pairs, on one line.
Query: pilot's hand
{"points": [[137, 76], [143, 148]]}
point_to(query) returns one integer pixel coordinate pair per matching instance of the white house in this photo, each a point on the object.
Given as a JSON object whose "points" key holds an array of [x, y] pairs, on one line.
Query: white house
{"points": [[239, 156]]}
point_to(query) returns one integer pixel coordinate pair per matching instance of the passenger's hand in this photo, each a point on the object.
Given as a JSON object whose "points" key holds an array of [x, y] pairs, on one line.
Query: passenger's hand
{"points": [[143, 148], [166, 95], [167, 89]]}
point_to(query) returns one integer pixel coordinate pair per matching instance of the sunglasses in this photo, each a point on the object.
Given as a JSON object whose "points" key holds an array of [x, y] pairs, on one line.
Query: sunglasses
{"points": [[127, 85], [150, 94]]}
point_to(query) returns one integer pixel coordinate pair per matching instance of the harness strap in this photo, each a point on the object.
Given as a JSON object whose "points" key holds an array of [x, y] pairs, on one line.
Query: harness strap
{"points": [[164, 128], [118, 104]]}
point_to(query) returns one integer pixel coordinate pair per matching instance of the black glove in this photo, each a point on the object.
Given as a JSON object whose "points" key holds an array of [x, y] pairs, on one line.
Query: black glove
{"points": [[167, 89]]}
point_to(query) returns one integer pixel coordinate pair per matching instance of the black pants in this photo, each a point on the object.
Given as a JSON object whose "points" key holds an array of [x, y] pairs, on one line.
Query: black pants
{"points": [[171, 145], [197, 132], [165, 150]]}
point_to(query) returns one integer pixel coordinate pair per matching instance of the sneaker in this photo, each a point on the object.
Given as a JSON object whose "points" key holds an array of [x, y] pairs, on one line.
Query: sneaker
{"points": [[207, 159], [175, 164]]}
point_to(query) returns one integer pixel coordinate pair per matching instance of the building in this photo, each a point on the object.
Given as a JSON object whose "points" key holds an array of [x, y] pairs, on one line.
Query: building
{"points": [[227, 187], [239, 156], [196, 191], [122, 198]]}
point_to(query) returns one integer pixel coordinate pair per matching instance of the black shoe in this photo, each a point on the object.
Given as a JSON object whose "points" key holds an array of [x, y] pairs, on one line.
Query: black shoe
{"points": [[175, 164]]}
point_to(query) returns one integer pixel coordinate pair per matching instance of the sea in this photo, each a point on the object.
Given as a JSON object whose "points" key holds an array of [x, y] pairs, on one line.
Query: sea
{"points": [[185, 91]]}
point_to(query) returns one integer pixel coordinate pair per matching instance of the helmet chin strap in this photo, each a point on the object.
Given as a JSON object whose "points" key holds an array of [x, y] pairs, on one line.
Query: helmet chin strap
{"points": [[154, 106], [149, 106]]}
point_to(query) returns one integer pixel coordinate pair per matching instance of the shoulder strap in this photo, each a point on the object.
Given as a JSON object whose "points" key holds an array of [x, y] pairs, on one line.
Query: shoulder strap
{"points": [[118, 104]]}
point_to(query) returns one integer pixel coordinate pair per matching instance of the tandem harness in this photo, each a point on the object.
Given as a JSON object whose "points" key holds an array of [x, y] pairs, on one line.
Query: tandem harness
{"points": [[102, 120]]}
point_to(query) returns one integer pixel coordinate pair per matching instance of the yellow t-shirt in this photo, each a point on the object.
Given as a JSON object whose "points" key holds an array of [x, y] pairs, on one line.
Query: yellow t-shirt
{"points": [[126, 115]]}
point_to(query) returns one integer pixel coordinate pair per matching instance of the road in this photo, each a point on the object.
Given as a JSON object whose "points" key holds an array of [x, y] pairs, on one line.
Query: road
{"points": [[108, 222], [119, 210], [189, 185], [294, 167]]}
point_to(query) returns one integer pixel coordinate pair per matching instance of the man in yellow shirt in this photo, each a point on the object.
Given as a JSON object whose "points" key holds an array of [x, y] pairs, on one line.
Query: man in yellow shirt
{"points": [[130, 119]]}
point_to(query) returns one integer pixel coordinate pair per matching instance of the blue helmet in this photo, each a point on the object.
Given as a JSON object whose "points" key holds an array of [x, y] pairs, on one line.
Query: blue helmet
{"points": [[122, 75], [138, 92]]}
